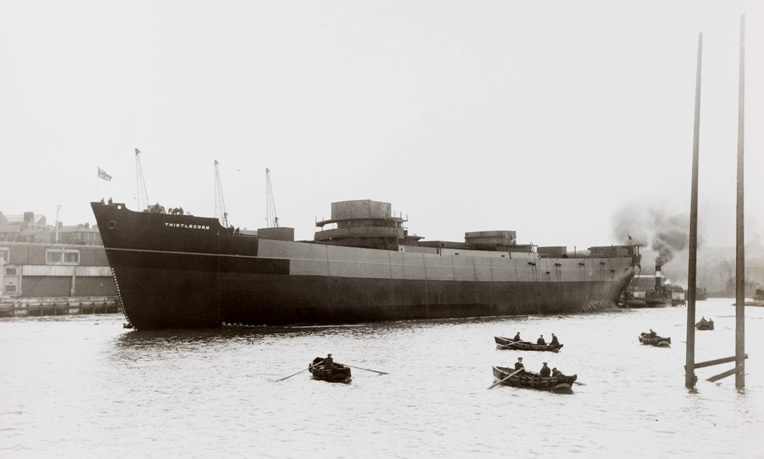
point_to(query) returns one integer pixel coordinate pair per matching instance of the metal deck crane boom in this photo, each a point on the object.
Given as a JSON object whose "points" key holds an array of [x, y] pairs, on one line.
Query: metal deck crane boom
{"points": [[220, 210], [141, 193], [271, 217]]}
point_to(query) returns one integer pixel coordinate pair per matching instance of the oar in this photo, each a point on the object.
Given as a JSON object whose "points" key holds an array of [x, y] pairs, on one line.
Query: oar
{"points": [[369, 369], [293, 374], [502, 380]]}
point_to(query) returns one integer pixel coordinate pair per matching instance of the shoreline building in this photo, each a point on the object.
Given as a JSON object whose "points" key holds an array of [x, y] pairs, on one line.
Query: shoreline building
{"points": [[52, 269]]}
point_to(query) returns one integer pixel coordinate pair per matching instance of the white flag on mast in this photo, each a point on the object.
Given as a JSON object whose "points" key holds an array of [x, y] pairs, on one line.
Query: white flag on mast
{"points": [[103, 175]]}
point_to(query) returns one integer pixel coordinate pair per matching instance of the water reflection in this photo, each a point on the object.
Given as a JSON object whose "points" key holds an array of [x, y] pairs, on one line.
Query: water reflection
{"points": [[143, 338]]}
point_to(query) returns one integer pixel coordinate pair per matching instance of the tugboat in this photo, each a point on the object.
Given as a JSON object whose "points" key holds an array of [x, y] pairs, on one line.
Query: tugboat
{"points": [[325, 369], [651, 291], [653, 339], [558, 383]]}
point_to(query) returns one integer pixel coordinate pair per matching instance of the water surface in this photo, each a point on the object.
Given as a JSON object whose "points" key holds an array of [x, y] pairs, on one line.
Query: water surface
{"points": [[84, 386]]}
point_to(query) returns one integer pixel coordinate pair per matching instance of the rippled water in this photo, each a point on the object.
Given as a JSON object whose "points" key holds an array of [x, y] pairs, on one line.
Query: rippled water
{"points": [[84, 386]]}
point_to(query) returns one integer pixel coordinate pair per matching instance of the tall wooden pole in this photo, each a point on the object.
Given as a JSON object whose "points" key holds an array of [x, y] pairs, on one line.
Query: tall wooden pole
{"points": [[689, 376], [740, 235]]}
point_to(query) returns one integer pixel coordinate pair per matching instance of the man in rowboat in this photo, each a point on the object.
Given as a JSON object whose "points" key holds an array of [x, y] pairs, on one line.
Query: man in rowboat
{"points": [[519, 364], [517, 336], [545, 371], [555, 341], [541, 340]]}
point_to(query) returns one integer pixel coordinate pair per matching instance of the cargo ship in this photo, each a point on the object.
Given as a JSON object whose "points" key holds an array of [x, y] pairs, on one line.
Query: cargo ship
{"points": [[174, 270]]}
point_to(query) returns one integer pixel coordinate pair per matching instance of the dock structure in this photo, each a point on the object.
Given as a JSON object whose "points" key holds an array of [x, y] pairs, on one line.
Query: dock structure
{"points": [[740, 355], [56, 306]]}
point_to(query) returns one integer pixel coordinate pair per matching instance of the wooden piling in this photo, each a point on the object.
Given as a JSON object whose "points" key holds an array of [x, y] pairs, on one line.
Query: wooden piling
{"points": [[690, 378], [740, 234]]}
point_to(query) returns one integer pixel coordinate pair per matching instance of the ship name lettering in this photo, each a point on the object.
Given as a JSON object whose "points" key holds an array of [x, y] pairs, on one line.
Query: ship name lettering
{"points": [[187, 226]]}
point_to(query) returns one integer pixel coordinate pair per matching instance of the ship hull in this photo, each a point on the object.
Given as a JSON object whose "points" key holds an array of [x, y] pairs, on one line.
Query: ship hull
{"points": [[195, 281], [173, 298]]}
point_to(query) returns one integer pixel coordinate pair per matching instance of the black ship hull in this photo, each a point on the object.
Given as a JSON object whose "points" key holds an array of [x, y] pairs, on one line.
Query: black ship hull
{"points": [[189, 272]]}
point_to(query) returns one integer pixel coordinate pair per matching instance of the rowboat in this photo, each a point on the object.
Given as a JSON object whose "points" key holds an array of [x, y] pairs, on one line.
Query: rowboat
{"points": [[534, 381], [705, 324], [654, 340], [526, 346], [333, 372], [505, 343]]}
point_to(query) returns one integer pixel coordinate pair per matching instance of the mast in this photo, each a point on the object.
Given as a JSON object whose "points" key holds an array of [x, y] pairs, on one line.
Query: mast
{"points": [[740, 234], [690, 377]]}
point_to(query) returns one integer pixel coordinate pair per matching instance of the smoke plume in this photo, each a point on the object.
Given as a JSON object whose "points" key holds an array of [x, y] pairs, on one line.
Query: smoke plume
{"points": [[663, 231], [670, 235]]}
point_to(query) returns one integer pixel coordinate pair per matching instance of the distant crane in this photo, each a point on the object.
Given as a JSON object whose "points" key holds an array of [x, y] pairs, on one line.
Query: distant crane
{"points": [[271, 218], [141, 193], [58, 219], [220, 211]]}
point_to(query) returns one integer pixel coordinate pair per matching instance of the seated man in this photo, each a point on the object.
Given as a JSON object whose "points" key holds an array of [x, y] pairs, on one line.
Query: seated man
{"points": [[556, 372], [519, 364], [517, 336], [545, 371], [652, 333], [541, 340], [328, 361], [555, 341]]}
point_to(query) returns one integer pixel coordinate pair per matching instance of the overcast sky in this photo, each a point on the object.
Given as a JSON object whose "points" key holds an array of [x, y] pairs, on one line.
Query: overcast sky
{"points": [[543, 117]]}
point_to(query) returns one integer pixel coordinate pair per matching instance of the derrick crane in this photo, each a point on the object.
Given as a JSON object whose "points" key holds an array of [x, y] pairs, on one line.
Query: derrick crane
{"points": [[271, 218], [220, 210], [141, 193]]}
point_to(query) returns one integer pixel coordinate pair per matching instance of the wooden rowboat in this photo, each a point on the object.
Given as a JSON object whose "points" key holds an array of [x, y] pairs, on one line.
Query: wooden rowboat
{"points": [[705, 325], [657, 341], [510, 344], [526, 346], [528, 380], [334, 372], [503, 340]]}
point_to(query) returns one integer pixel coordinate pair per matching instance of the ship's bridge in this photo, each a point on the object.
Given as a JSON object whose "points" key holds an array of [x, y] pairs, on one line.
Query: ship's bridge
{"points": [[362, 223]]}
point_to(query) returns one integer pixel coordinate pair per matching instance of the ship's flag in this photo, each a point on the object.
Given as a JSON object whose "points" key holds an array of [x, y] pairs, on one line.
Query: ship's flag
{"points": [[103, 175]]}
